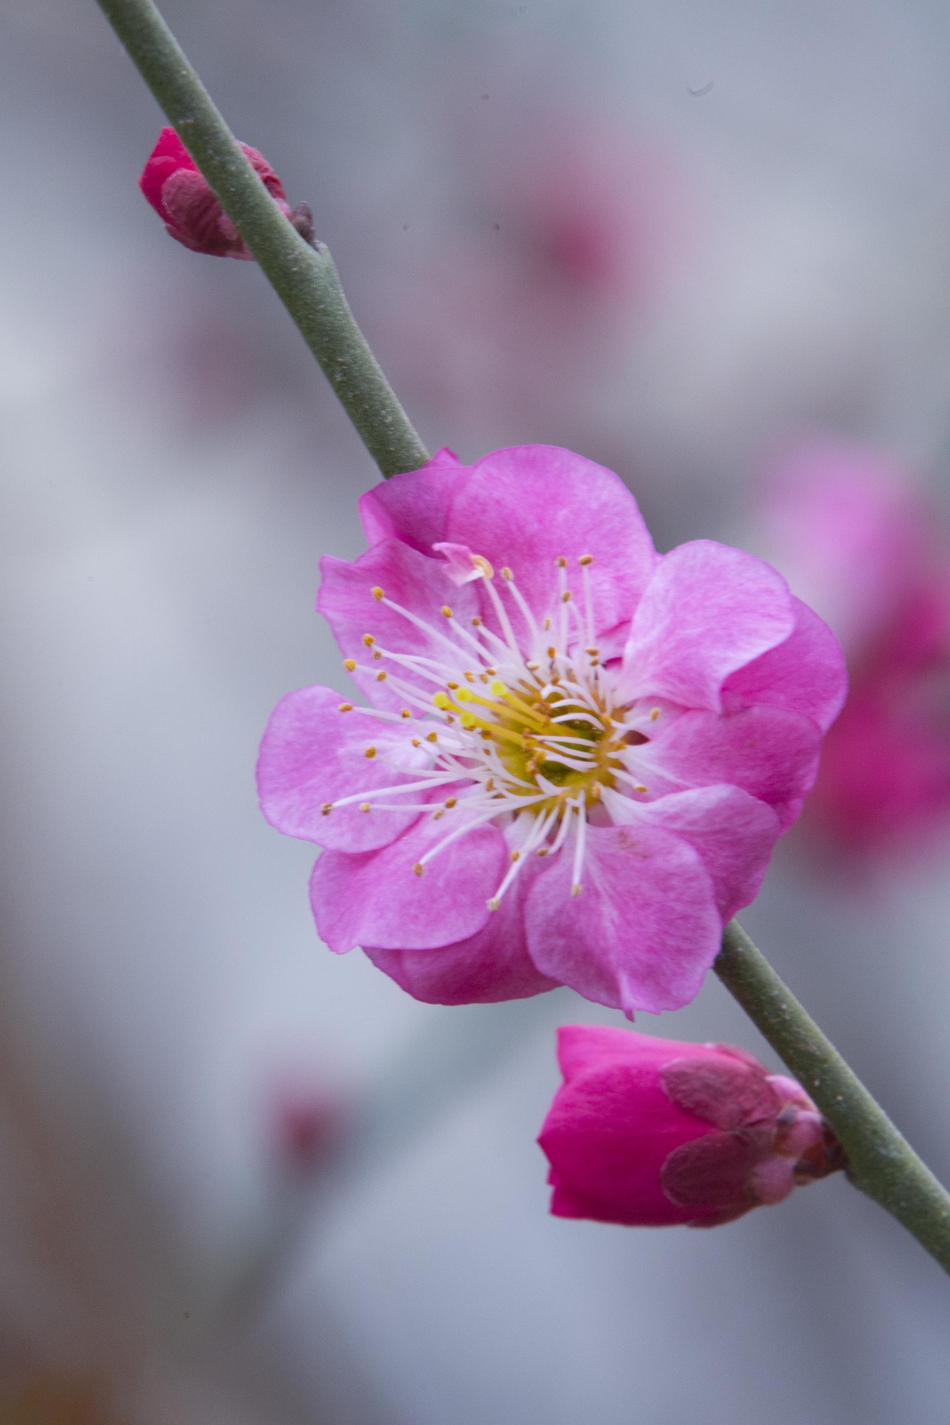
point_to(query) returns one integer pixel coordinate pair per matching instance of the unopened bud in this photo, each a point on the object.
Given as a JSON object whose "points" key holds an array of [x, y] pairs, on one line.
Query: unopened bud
{"points": [[652, 1132], [186, 203]]}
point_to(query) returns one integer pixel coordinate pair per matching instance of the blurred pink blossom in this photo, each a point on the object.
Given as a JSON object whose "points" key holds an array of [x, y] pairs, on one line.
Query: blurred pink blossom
{"points": [[579, 753], [858, 538], [183, 199], [653, 1132]]}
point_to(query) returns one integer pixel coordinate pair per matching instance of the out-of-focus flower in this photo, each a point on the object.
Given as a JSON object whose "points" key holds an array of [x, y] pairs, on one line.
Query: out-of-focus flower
{"points": [[858, 538], [652, 1132], [307, 1127], [580, 753], [184, 200]]}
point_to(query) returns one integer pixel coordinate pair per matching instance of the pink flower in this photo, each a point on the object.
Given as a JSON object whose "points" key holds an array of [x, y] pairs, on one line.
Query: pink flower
{"points": [[579, 753], [856, 535], [181, 196], [651, 1132]]}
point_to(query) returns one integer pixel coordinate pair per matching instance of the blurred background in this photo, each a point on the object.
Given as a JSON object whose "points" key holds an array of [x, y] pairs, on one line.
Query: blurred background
{"points": [[706, 244]]}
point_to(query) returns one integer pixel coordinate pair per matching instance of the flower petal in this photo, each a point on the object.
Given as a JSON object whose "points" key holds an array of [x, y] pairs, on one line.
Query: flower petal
{"points": [[607, 1136], [644, 929], [805, 674], [707, 611], [422, 587], [529, 505], [490, 966], [313, 753], [732, 831], [377, 899], [414, 506], [770, 753]]}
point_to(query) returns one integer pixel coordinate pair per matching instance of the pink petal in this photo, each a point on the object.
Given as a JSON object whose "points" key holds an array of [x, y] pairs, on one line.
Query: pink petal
{"points": [[805, 674], [707, 611], [414, 506], [587, 1048], [377, 899], [732, 831], [720, 1090], [311, 754], [528, 506], [644, 930], [418, 584], [768, 752], [490, 966], [607, 1136]]}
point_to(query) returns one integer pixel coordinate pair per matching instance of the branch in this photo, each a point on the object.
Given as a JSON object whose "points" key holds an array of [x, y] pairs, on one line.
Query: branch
{"points": [[304, 278], [881, 1161]]}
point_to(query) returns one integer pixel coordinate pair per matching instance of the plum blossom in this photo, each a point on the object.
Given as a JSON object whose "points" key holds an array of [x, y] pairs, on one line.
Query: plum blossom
{"points": [[578, 753], [859, 539], [652, 1132], [184, 200]]}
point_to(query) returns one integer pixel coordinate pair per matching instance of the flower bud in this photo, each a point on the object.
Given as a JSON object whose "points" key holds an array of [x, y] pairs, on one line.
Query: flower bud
{"points": [[652, 1132], [184, 200]]}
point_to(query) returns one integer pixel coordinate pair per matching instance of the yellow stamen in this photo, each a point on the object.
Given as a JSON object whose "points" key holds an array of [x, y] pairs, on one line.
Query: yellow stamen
{"points": [[447, 611], [370, 752], [364, 806], [326, 809], [586, 559], [368, 639], [345, 707], [418, 868], [349, 664], [377, 593]]}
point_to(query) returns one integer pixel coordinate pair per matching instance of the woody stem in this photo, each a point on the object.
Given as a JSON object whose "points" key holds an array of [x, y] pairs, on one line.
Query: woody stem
{"points": [[881, 1161], [304, 278]]}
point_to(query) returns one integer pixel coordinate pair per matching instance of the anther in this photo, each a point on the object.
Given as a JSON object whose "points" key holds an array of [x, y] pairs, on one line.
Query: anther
{"points": [[349, 664], [418, 868], [575, 889], [364, 806], [453, 686], [405, 713], [592, 651], [547, 624], [561, 562], [552, 651], [432, 737], [516, 855], [451, 802], [532, 667], [326, 809], [491, 672], [654, 714], [416, 742], [377, 655], [438, 813], [345, 707], [481, 563], [476, 622], [586, 559], [368, 639], [377, 593], [543, 850], [370, 752], [566, 597], [506, 573], [469, 676], [447, 611], [490, 785], [381, 677], [493, 903]]}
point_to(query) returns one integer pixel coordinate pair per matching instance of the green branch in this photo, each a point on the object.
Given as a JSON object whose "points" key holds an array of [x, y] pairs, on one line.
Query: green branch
{"points": [[881, 1161], [304, 278]]}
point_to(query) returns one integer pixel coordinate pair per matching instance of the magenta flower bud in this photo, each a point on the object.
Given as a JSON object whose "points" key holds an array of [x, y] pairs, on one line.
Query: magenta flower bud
{"points": [[653, 1132], [183, 199]]}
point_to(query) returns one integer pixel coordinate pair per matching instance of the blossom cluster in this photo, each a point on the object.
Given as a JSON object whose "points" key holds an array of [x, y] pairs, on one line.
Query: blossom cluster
{"points": [[575, 754]]}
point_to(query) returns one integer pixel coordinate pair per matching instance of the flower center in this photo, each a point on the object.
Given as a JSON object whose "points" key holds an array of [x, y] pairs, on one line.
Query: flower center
{"points": [[527, 731]]}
